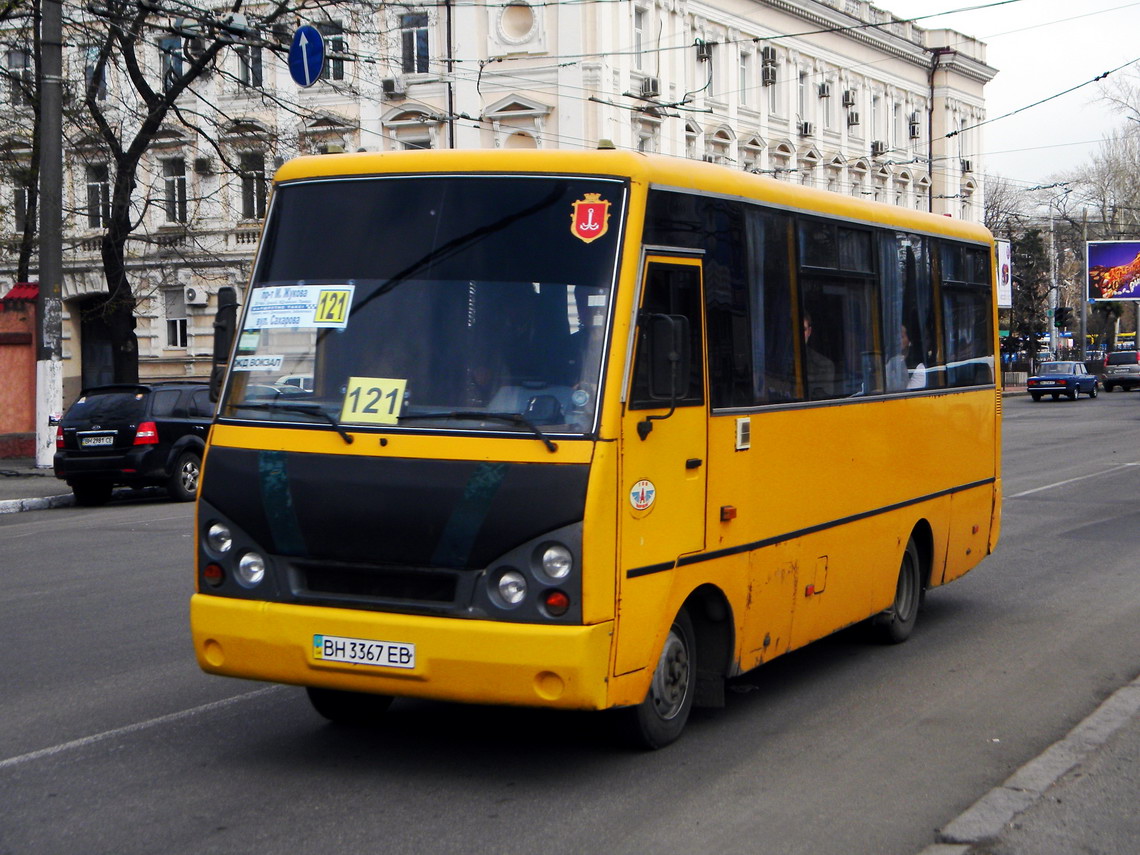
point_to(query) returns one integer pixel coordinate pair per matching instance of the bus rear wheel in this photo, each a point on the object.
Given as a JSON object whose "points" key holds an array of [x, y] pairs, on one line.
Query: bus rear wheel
{"points": [[356, 708], [660, 718], [895, 625]]}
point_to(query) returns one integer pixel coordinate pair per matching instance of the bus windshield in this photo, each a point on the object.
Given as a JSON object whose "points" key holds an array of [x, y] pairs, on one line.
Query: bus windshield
{"points": [[466, 303]]}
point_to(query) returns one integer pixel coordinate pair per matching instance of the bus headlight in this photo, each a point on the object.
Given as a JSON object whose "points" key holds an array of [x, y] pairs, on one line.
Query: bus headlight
{"points": [[511, 587], [557, 561], [219, 538], [250, 569]]}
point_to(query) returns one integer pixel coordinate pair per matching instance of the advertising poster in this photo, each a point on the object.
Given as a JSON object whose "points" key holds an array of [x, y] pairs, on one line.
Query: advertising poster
{"points": [[1005, 275], [1113, 269]]}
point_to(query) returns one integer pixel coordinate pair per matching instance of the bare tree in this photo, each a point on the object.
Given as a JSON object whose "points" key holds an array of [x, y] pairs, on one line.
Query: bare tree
{"points": [[115, 134]]}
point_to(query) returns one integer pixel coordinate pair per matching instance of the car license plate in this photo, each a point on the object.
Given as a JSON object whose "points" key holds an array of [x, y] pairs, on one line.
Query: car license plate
{"points": [[92, 441], [364, 651]]}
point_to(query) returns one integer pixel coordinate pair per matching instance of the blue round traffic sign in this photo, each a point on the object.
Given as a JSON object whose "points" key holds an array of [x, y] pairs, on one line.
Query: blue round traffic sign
{"points": [[306, 56]]}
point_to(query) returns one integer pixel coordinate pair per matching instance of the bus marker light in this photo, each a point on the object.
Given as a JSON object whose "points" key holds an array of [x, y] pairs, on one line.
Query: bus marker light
{"points": [[727, 512], [213, 574], [809, 590], [557, 603]]}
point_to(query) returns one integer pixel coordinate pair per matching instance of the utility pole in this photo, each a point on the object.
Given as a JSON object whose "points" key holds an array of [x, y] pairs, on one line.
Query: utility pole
{"points": [[1052, 288], [49, 307]]}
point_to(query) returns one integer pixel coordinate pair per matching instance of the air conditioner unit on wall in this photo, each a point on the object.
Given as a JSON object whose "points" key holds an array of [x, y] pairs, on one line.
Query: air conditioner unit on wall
{"points": [[915, 130], [650, 87], [878, 148], [848, 98], [196, 296], [825, 90], [806, 129], [852, 118], [967, 166], [704, 50], [393, 87], [768, 55], [203, 166], [768, 75]]}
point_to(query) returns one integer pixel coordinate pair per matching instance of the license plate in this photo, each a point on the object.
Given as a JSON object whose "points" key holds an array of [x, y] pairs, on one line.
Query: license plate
{"points": [[92, 441], [364, 651]]}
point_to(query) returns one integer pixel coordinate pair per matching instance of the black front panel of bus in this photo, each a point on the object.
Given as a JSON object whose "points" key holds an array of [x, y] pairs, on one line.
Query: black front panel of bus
{"points": [[395, 512]]}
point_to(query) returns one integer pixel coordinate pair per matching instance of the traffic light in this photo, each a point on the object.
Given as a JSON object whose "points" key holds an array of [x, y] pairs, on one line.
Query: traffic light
{"points": [[1062, 316]]}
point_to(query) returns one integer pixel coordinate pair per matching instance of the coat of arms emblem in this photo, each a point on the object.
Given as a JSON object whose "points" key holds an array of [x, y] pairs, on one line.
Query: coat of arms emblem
{"points": [[591, 218]]}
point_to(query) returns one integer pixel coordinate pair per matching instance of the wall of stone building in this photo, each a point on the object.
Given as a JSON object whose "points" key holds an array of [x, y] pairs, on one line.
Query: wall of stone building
{"points": [[17, 378]]}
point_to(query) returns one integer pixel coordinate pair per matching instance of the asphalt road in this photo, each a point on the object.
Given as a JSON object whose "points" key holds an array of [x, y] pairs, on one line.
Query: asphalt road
{"points": [[113, 741]]}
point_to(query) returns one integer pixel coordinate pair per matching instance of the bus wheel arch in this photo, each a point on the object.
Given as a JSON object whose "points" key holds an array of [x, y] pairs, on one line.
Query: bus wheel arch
{"points": [[895, 624], [690, 670], [711, 615]]}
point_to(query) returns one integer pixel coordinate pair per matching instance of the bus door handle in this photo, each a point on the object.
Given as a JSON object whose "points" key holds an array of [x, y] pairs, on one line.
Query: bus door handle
{"points": [[693, 463]]}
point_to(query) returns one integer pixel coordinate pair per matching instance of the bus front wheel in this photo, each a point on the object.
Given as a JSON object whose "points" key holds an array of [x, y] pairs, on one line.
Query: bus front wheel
{"points": [[895, 625], [660, 718], [357, 708]]}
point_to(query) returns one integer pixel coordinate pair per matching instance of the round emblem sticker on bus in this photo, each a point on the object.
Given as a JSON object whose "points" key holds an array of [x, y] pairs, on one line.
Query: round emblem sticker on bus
{"points": [[642, 495]]}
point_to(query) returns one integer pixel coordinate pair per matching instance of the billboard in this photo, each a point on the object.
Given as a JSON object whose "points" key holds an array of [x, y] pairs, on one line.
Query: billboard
{"points": [[1113, 269]]}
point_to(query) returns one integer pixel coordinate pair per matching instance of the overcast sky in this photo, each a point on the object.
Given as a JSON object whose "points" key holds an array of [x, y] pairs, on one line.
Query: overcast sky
{"points": [[1041, 48]]}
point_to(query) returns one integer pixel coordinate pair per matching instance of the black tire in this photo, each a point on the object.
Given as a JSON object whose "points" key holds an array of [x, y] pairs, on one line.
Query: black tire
{"points": [[1108, 387], [659, 719], [1056, 396], [1035, 395], [355, 708], [183, 483], [1093, 391], [895, 625], [90, 494], [1072, 394]]}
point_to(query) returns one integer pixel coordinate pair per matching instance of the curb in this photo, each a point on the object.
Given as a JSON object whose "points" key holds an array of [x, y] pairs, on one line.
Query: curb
{"points": [[989, 816], [11, 506]]}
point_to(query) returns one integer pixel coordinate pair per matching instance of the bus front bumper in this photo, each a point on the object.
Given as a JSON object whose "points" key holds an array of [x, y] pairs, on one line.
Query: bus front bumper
{"points": [[474, 661]]}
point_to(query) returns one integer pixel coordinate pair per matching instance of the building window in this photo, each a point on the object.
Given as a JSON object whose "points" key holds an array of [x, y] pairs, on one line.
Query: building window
{"points": [[175, 300], [803, 96], [174, 177], [94, 78], [249, 65], [335, 48], [20, 208], [745, 82], [252, 165], [20, 76], [170, 50], [98, 195], [414, 40], [640, 20]]}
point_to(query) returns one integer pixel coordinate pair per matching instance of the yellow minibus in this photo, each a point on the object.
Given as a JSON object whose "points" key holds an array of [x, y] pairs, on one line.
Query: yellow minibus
{"points": [[585, 430]]}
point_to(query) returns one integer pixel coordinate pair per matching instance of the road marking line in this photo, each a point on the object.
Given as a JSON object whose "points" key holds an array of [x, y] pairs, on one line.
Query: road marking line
{"points": [[1071, 480], [133, 728]]}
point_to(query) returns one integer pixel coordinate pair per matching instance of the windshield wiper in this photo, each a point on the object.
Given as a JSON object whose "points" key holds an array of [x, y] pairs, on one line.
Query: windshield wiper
{"points": [[513, 418], [296, 407]]}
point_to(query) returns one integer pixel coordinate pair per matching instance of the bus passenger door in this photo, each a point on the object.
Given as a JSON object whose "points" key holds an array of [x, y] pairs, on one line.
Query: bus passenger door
{"points": [[664, 453]]}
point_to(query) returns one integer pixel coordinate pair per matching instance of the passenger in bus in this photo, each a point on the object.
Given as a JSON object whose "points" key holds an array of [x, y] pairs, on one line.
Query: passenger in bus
{"points": [[820, 369], [904, 369]]}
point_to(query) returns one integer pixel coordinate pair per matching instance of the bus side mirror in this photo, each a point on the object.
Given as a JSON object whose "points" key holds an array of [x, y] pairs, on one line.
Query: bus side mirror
{"points": [[225, 323], [669, 360], [669, 367]]}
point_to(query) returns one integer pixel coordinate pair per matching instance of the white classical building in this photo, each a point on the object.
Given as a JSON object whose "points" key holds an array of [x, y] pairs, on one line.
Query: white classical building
{"points": [[835, 94]]}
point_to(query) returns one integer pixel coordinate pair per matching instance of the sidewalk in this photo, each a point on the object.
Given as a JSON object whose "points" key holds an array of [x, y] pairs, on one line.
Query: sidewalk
{"points": [[1080, 795], [23, 487]]}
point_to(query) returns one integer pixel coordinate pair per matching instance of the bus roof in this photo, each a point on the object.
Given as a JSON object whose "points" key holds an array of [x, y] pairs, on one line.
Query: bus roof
{"points": [[648, 169]]}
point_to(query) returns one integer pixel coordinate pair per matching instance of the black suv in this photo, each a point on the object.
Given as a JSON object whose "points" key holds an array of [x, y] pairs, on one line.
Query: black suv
{"points": [[1122, 368], [135, 435]]}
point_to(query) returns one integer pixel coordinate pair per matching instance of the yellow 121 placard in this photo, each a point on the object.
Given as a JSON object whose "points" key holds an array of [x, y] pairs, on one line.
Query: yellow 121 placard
{"points": [[373, 400]]}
